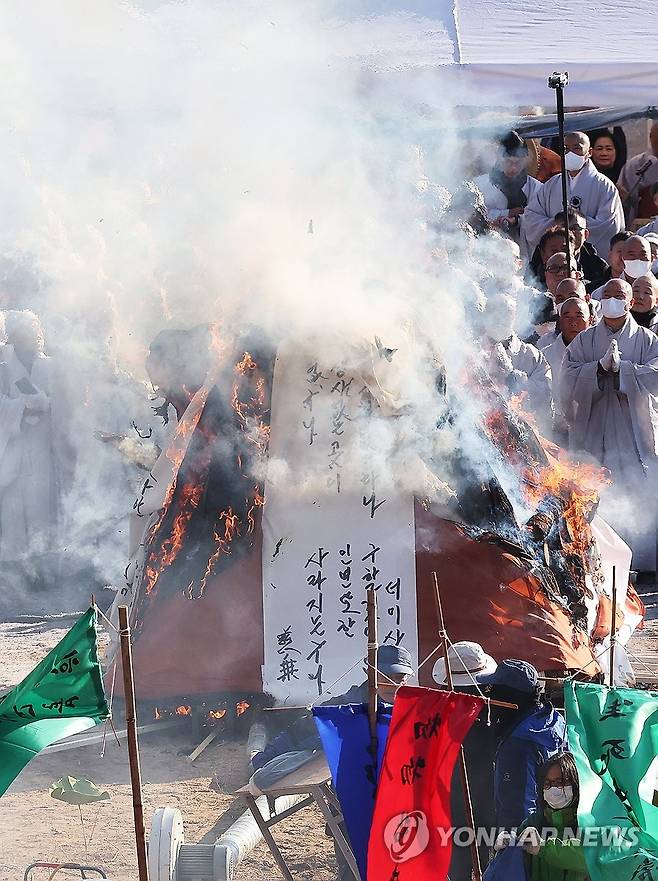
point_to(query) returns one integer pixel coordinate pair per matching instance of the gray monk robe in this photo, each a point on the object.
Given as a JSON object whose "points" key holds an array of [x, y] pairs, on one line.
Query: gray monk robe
{"points": [[614, 416]]}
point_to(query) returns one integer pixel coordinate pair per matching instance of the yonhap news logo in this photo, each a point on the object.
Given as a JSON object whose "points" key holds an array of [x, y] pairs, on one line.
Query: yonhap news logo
{"points": [[406, 835]]}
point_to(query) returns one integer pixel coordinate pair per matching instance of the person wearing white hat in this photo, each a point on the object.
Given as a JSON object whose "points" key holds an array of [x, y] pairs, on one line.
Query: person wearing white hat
{"points": [[467, 661]]}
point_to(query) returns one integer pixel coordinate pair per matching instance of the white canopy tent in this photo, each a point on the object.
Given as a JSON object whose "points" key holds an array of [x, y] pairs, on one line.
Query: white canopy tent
{"points": [[506, 49]]}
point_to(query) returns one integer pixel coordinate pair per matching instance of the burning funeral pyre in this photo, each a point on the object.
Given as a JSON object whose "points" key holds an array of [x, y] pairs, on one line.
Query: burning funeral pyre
{"points": [[200, 584]]}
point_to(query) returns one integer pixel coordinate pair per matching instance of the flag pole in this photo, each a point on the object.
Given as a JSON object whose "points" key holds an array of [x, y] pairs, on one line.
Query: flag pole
{"points": [[613, 627], [133, 747], [470, 820], [371, 597]]}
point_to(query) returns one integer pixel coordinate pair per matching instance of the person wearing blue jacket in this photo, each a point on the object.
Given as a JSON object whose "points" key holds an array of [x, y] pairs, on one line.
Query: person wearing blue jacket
{"points": [[527, 737]]}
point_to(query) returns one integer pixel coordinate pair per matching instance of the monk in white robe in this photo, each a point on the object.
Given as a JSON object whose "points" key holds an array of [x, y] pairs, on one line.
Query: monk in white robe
{"points": [[575, 316], [590, 192], [567, 289], [609, 397], [29, 444], [517, 368]]}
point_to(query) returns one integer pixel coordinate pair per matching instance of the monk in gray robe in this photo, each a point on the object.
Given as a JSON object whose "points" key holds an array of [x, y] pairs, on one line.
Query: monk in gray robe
{"points": [[609, 397], [589, 192]]}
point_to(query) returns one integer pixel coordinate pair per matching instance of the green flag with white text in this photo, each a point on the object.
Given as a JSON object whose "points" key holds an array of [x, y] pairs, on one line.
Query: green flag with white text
{"points": [[613, 734], [63, 695]]}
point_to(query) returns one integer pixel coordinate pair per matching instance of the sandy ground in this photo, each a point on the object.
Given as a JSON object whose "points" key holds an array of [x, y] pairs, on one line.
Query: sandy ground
{"points": [[33, 826]]}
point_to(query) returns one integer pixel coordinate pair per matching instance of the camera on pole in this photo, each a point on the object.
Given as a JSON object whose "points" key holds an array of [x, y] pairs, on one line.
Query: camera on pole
{"points": [[558, 81]]}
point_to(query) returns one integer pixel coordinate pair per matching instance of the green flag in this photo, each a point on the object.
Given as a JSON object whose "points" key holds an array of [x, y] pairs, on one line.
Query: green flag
{"points": [[613, 734], [63, 695]]}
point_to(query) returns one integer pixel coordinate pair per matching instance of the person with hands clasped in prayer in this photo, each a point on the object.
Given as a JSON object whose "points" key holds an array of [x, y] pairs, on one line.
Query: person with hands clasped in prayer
{"points": [[609, 398]]}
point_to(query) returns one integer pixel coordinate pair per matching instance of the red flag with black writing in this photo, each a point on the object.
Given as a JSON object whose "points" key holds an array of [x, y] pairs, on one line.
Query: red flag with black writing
{"points": [[412, 807]]}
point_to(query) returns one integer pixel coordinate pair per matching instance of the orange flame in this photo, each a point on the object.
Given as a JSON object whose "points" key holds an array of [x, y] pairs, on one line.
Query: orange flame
{"points": [[216, 714], [172, 545], [231, 526], [242, 707], [185, 710], [257, 502], [248, 399], [157, 715], [578, 486]]}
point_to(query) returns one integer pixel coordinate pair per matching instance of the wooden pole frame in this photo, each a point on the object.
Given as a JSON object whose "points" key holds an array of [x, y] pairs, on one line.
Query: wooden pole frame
{"points": [[133, 745], [468, 803]]}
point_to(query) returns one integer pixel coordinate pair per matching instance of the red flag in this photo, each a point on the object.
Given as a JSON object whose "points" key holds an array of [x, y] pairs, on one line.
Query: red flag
{"points": [[413, 795]]}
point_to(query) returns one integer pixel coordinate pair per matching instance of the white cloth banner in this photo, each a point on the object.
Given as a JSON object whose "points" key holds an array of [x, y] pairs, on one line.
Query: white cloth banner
{"points": [[331, 529]]}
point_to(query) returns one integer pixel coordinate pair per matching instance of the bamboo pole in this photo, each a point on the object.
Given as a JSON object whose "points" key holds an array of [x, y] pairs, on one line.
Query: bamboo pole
{"points": [[443, 636], [487, 700], [372, 672], [133, 746], [613, 627]]}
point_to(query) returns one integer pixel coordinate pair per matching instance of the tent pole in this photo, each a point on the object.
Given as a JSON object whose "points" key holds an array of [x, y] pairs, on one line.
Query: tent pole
{"points": [[371, 597], [133, 747], [613, 627], [470, 820], [558, 81]]}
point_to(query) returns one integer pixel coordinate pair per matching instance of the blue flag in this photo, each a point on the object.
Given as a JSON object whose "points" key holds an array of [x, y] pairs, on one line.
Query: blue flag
{"points": [[345, 735]]}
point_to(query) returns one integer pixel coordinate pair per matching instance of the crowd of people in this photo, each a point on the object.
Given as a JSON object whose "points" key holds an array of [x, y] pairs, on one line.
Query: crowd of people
{"points": [[588, 370], [587, 373], [584, 366], [523, 780]]}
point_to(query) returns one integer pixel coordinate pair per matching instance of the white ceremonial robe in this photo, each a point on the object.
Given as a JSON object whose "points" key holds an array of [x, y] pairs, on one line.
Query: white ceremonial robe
{"points": [[599, 202], [554, 354], [532, 376], [29, 449], [614, 417], [497, 206], [547, 339]]}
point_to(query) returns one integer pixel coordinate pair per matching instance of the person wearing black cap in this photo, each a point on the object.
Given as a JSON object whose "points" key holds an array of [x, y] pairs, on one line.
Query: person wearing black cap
{"points": [[393, 669], [527, 737], [507, 188]]}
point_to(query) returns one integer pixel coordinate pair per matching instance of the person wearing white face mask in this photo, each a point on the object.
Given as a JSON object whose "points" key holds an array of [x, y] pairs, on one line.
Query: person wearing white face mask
{"points": [[636, 261], [559, 857], [589, 192], [609, 398]]}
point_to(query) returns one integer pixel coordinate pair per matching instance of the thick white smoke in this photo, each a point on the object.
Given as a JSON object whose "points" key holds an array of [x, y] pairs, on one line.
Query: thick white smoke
{"points": [[245, 163]]}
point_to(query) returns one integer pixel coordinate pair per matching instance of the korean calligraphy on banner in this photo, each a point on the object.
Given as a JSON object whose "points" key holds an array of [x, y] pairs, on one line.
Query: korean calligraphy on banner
{"points": [[413, 796], [612, 734], [333, 526], [61, 696]]}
